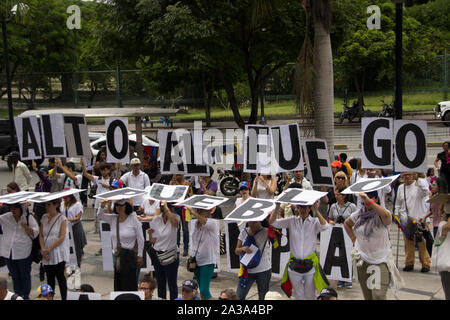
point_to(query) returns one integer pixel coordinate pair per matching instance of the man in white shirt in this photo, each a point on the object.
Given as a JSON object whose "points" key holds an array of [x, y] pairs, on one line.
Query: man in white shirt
{"points": [[5, 294], [136, 179], [21, 174], [300, 179], [411, 196]]}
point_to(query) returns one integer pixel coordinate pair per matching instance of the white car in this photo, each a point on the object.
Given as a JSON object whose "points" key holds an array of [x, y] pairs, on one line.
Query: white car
{"points": [[101, 141], [442, 111]]}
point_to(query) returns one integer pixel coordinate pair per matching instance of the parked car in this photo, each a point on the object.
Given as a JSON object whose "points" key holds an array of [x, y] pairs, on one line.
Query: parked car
{"points": [[97, 144], [442, 111]]}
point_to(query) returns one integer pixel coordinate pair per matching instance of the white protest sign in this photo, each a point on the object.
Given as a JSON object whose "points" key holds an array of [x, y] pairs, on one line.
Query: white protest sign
{"points": [[370, 184], [45, 196], [377, 143], [53, 135], [336, 253], [83, 296], [120, 194], [117, 147], [171, 158], [72, 253], [257, 149], [169, 193], [300, 196], [20, 196], [287, 147], [202, 202], [107, 252], [77, 136], [28, 137], [410, 145], [252, 209]]}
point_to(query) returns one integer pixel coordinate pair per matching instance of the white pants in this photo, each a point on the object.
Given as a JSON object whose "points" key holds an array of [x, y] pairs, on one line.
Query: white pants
{"points": [[302, 285]]}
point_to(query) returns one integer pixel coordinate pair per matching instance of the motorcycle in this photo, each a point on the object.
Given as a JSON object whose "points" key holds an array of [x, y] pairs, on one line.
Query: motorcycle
{"points": [[387, 111], [350, 113], [229, 181]]}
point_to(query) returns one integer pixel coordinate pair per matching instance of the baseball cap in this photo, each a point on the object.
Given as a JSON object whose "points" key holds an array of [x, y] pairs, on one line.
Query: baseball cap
{"points": [[44, 289], [190, 285], [243, 184], [336, 164], [327, 293], [135, 161]]}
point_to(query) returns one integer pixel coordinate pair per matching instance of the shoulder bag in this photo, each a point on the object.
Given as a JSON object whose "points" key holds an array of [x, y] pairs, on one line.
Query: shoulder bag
{"points": [[192, 261], [36, 255], [250, 240]]}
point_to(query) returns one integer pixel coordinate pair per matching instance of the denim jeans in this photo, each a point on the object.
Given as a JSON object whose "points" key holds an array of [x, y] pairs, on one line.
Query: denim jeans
{"points": [[166, 275], [21, 275], [262, 281], [184, 224]]}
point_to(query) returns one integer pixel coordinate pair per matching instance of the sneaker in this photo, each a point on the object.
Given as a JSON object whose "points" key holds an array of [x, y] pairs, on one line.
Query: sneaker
{"points": [[348, 285], [185, 253], [214, 275], [408, 268], [425, 269], [340, 284]]}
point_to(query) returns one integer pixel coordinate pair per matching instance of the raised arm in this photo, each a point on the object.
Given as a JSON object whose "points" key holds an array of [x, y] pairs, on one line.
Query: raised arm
{"points": [[384, 214], [65, 170], [86, 174], [274, 213]]}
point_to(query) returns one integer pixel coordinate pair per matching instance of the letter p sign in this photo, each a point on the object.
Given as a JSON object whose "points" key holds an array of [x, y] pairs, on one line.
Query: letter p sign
{"points": [[74, 21]]}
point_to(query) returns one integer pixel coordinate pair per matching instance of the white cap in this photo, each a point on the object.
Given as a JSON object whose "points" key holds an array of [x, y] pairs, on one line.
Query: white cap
{"points": [[135, 161]]}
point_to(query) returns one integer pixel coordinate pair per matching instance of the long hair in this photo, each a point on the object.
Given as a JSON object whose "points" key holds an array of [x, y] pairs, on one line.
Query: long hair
{"points": [[128, 209]]}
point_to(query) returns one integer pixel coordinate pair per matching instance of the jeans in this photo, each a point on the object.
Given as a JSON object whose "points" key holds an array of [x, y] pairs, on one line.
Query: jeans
{"points": [[57, 272], [204, 275], [21, 275], [184, 224], [166, 275], [262, 281]]}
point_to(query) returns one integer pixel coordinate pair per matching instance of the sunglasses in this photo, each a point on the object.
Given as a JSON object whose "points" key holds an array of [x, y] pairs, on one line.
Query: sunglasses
{"points": [[340, 178]]}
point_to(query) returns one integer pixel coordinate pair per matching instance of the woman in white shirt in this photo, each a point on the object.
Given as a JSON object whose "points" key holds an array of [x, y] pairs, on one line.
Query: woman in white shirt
{"points": [[73, 210], [205, 241], [149, 209], [54, 245], [368, 229], [124, 220], [166, 226], [18, 232], [264, 186], [263, 271]]}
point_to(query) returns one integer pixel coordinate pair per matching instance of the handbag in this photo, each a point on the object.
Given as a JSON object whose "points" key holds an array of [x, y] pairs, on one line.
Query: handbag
{"points": [[116, 255], [301, 265], [36, 255], [167, 257], [441, 251]]}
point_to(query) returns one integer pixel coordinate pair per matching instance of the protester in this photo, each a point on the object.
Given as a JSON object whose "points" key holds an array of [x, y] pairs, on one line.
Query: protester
{"points": [[382, 193], [368, 228], [148, 286], [286, 209], [189, 290], [12, 187], [178, 179], [244, 191], [21, 174], [73, 211], [52, 170], [85, 287], [444, 158], [348, 167], [19, 230], [44, 185], [340, 181], [430, 176], [5, 294], [45, 292], [358, 174], [205, 238], [207, 184], [303, 230], [54, 242], [438, 186], [126, 232], [442, 256], [300, 179], [328, 294], [337, 166], [262, 272], [339, 211], [409, 206], [68, 179], [228, 294], [264, 186], [136, 179], [166, 225]]}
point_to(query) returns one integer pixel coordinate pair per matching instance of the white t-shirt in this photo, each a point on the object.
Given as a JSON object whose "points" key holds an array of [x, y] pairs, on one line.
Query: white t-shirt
{"points": [[69, 184], [73, 211], [60, 253], [150, 209], [261, 241], [336, 211], [100, 188], [167, 233], [141, 181], [375, 248], [205, 241], [261, 191]]}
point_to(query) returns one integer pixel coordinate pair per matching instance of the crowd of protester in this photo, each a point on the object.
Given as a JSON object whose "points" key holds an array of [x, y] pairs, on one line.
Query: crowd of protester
{"points": [[365, 218]]}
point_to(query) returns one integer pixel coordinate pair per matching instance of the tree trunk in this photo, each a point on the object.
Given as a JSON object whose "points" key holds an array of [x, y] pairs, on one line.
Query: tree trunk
{"points": [[66, 87], [228, 86], [323, 86]]}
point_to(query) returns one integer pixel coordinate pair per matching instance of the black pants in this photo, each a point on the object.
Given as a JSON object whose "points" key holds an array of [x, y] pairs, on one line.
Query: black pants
{"points": [[57, 271], [125, 279]]}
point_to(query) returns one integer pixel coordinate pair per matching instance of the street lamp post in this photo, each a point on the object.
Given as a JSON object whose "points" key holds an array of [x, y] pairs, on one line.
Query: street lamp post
{"points": [[8, 82], [398, 57]]}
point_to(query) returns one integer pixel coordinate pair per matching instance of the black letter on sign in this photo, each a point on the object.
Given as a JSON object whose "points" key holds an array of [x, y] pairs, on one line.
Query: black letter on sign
{"points": [[385, 144], [83, 297], [276, 253], [252, 138], [295, 148], [75, 122], [47, 125], [315, 162], [168, 153], [290, 195], [233, 234], [110, 139], [251, 209], [31, 143], [157, 189], [336, 241], [192, 167], [400, 140]]}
